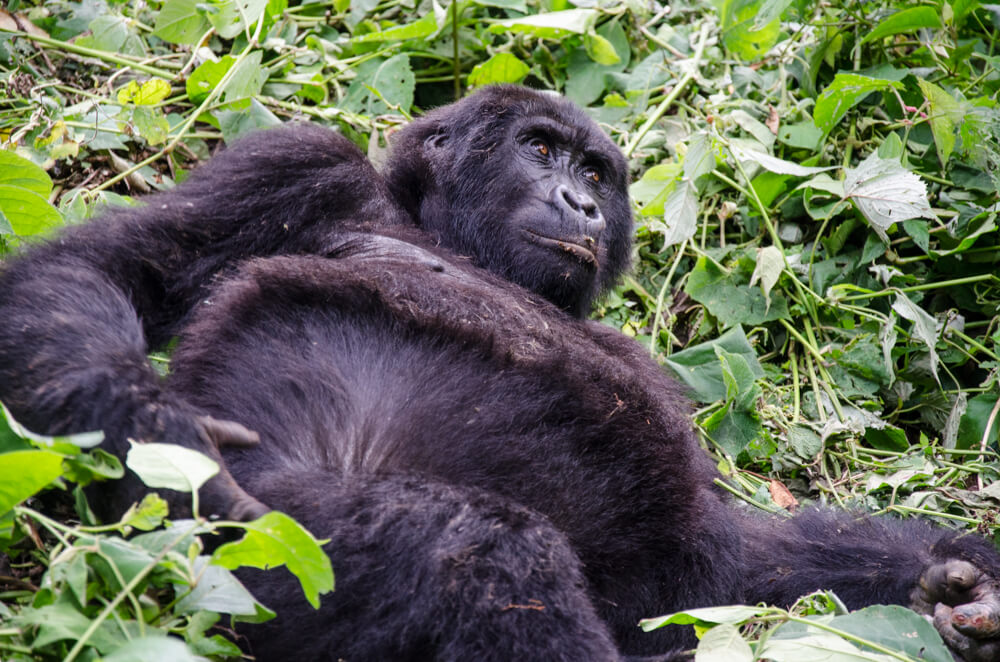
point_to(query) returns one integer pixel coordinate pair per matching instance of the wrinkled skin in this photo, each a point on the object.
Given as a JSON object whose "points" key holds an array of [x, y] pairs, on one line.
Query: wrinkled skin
{"points": [[964, 603], [400, 360]]}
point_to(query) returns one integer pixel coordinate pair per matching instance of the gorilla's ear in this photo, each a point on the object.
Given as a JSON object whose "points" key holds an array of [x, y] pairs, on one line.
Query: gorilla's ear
{"points": [[437, 139]]}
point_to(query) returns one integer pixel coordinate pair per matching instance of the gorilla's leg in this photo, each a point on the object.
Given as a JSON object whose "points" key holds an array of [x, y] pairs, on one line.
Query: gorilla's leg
{"points": [[879, 560], [424, 571]]}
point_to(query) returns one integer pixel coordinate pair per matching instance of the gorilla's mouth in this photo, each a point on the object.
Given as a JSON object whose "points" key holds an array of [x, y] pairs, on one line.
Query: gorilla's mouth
{"points": [[582, 249]]}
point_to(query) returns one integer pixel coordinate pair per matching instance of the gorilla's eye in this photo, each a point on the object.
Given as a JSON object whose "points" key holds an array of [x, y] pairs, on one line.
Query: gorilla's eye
{"points": [[592, 175], [540, 147]]}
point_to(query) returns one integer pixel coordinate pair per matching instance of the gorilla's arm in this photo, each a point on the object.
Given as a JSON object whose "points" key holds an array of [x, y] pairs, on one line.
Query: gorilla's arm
{"points": [[80, 312], [868, 560]]}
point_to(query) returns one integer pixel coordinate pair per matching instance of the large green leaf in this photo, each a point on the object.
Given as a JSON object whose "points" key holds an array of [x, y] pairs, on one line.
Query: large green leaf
{"points": [[170, 466], [276, 539], [907, 20], [24, 473], [18, 171], [180, 22], [700, 369], [27, 212], [846, 91]]}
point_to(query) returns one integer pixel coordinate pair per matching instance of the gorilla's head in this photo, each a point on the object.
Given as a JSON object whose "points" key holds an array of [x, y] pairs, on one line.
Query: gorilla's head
{"points": [[525, 184]]}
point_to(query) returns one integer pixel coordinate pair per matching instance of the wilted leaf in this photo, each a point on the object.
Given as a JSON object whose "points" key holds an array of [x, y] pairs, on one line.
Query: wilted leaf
{"points": [[776, 165], [886, 193], [770, 264], [924, 326], [680, 214]]}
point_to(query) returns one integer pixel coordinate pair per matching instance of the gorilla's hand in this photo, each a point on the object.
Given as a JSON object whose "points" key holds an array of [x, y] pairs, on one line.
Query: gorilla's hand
{"points": [[221, 495], [965, 605]]}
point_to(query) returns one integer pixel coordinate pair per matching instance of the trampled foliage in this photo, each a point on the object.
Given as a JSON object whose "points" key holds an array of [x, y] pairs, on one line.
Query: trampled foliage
{"points": [[816, 189]]}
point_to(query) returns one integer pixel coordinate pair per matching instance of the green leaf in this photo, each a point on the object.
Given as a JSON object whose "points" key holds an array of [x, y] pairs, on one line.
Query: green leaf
{"points": [[723, 643], [276, 539], [846, 91], [246, 81], [151, 124], [774, 164], [700, 369], [20, 172], [924, 326], [170, 466], [600, 49], [424, 27], [770, 264], [236, 123], [586, 80], [946, 115], [112, 33], [972, 425], [731, 615], [741, 33], [501, 68], [27, 212], [218, 590], [61, 621], [24, 473], [907, 20], [886, 193], [802, 135], [728, 299], [554, 25], [153, 648], [149, 93], [180, 22], [148, 514], [395, 82], [680, 214], [655, 184], [128, 559], [234, 16]]}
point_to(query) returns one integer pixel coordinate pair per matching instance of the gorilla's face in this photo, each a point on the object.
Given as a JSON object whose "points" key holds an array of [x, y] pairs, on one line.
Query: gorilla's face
{"points": [[526, 185]]}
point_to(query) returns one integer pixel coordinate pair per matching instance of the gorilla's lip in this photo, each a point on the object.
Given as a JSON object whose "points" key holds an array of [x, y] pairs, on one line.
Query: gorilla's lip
{"points": [[582, 248]]}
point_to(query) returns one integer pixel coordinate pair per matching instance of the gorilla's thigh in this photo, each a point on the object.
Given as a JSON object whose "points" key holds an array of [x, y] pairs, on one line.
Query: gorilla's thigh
{"points": [[425, 571]]}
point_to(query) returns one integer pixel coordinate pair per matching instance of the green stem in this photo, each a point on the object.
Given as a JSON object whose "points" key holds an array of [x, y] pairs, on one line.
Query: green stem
{"points": [[674, 93], [113, 58]]}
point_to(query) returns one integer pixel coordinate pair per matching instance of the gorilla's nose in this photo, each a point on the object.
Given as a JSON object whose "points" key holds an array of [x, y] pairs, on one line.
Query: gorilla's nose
{"points": [[581, 208]]}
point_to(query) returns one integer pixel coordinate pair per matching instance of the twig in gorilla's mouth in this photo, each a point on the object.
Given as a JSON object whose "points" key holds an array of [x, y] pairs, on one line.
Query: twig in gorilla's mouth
{"points": [[577, 250]]}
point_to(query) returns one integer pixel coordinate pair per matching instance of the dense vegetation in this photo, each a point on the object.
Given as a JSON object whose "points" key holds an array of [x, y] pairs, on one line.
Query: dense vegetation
{"points": [[816, 190]]}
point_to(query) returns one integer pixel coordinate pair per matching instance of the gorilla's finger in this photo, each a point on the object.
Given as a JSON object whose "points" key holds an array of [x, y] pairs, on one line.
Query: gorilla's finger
{"points": [[221, 433], [968, 648], [980, 619], [950, 582]]}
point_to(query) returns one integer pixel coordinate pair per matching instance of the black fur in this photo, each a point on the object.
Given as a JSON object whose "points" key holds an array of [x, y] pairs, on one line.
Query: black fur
{"points": [[500, 478]]}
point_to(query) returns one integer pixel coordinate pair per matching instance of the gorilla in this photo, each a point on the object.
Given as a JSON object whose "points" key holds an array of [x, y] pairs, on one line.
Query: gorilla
{"points": [[401, 361]]}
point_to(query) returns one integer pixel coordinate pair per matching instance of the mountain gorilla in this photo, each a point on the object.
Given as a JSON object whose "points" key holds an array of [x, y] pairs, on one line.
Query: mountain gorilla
{"points": [[500, 478]]}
